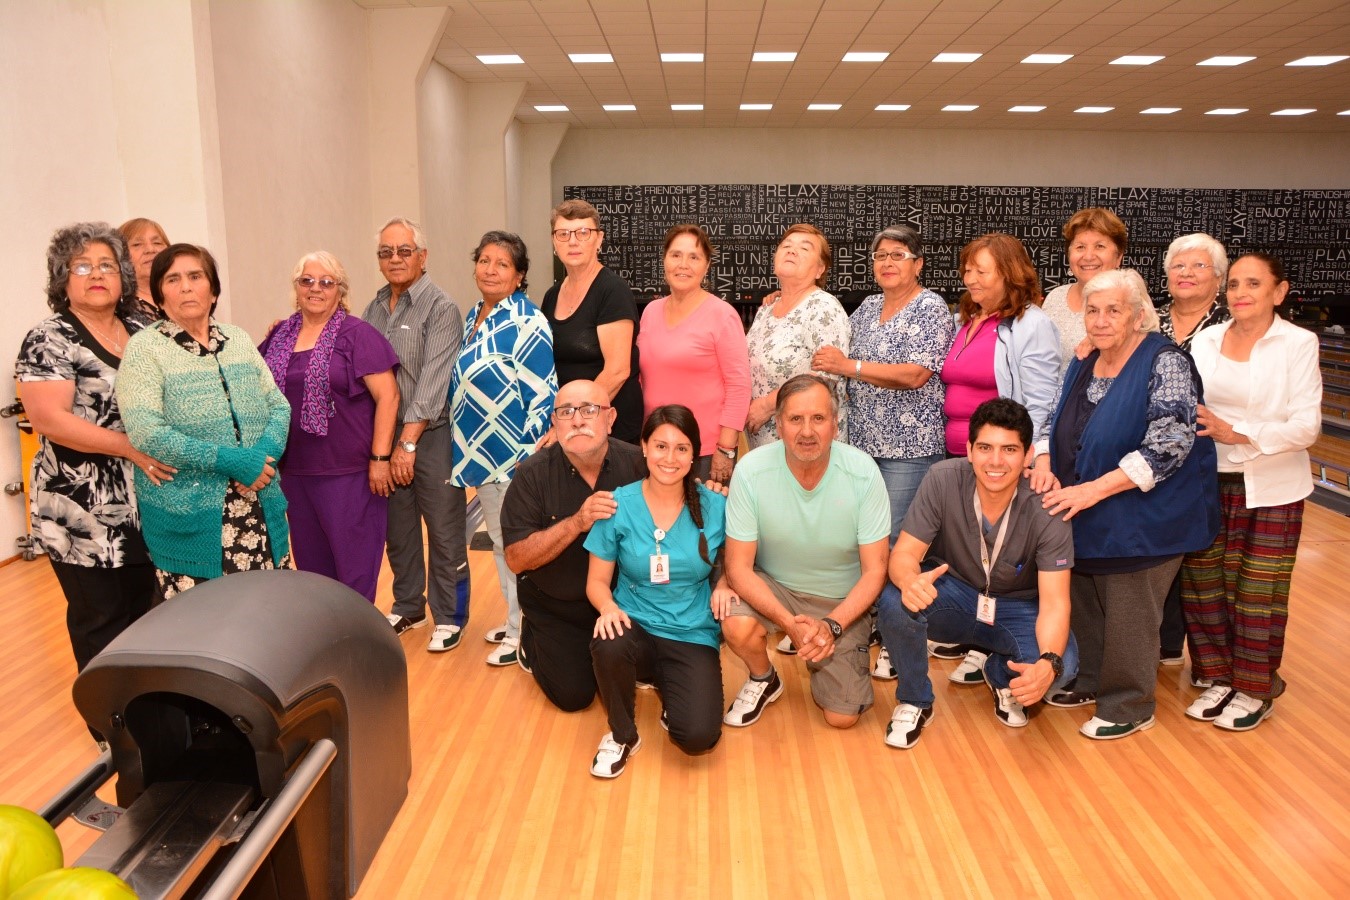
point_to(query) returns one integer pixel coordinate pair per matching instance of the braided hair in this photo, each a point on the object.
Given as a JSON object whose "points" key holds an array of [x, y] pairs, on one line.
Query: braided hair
{"points": [[682, 419]]}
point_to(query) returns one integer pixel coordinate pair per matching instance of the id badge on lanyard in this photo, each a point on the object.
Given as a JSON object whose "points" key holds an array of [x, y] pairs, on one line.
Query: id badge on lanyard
{"points": [[986, 606], [660, 562]]}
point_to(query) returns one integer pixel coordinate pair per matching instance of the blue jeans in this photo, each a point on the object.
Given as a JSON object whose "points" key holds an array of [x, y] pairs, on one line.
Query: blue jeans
{"points": [[902, 477], [951, 620]]}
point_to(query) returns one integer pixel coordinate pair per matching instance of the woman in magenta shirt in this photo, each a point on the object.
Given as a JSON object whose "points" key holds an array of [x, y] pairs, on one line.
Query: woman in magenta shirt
{"points": [[691, 351], [1005, 347]]}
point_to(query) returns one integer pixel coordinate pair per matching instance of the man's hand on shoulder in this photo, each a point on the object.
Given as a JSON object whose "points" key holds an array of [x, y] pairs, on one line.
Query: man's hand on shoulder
{"points": [[600, 505], [716, 487], [919, 594]]}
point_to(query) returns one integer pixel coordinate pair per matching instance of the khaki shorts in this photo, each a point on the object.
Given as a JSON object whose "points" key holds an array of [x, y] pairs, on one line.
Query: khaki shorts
{"points": [[842, 683]]}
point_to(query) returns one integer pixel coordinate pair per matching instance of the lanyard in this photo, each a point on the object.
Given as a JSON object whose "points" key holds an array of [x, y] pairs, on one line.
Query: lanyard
{"points": [[987, 556]]}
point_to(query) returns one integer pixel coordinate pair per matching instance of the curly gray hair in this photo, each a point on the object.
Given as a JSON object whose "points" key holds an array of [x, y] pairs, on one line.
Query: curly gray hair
{"points": [[67, 243]]}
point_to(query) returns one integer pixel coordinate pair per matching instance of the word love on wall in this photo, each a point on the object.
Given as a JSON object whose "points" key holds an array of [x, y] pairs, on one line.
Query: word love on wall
{"points": [[1309, 230]]}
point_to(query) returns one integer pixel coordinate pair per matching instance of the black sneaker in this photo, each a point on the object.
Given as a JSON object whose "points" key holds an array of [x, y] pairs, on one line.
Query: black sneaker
{"points": [[949, 651], [750, 702], [1070, 699], [403, 623]]}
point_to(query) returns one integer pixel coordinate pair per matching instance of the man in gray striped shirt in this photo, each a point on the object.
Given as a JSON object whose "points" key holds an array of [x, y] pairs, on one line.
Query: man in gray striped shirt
{"points": [[425, 327]]}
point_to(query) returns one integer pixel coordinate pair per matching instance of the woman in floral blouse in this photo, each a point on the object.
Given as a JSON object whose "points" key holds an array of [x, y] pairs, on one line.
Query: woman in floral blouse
{"points": [[789, 330], [83, 503]]}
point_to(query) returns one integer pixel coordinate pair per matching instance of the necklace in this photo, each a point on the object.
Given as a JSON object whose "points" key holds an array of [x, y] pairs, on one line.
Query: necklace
{"points": [[107, 339]]}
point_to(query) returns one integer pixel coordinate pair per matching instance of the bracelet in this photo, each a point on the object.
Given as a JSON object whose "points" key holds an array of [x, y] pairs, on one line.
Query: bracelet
{"points": [[857, 370], [376, 457]]}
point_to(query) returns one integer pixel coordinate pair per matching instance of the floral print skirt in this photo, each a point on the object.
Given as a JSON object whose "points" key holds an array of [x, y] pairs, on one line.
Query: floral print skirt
{"points": [[244, 544]]}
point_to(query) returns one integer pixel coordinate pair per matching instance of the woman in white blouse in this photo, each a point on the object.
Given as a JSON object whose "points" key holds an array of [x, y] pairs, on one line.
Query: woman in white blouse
{"points": [[1263, 397]]}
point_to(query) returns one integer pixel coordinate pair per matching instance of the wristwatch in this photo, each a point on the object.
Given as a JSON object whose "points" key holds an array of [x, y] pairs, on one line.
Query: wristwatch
{"points": [[1055, 660], [380, 457], [728, 452], [835, 628], [408, 446]]}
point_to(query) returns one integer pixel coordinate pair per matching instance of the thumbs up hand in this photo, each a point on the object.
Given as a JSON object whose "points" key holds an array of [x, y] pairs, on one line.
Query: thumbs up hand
{"points": [[919, 594]]}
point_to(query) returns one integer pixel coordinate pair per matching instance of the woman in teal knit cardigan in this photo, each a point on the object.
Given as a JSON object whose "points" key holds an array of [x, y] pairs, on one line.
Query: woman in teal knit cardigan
{"points": [[197, 392]]}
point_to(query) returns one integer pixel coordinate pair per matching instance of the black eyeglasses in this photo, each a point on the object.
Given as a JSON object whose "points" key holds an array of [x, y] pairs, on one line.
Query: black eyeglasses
{"points": [[562, 235], [388, 252], [308, 281], [588, 411]]}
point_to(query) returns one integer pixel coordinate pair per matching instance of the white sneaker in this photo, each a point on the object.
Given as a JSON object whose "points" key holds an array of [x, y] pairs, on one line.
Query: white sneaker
{"points": [[883, 670], [505, 654], [785, 646], [1008, 709], [751, 702], [445, 637], [496, 635], [611, 756], [971, 669], [1208, 705], [907, 721], [1244, 712]]}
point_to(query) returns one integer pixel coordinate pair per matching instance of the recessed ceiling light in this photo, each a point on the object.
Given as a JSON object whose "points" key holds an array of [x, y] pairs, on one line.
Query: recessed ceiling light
{"points": [[681, 57], [960, 107], [500, 59], [892, 107], [1025, 108], [957, 57], [1292, 112], [756, 107], [824, 107], [1317, 60], [686, 107], [1094, 109], [1048, 59], [1226, 111], [772, 56], [1136, 60], [862, 56], [557, 108], [590, 57], [1159, 110], [1225, 60], [620, 107]]}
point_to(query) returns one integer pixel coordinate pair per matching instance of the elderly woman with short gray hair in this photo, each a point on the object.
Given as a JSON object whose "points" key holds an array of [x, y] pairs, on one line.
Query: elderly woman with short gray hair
{"points": [[1197, 267], [1141, 489], [83, 501]]}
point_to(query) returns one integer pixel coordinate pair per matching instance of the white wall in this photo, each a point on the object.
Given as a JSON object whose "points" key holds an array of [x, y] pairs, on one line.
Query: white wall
{"points": [[443, 119], [58, 164], [821, 156], [292, 101]]}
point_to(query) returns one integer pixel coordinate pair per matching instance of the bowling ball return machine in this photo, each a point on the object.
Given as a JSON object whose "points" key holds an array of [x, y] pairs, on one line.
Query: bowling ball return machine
{"points": [[258, 728]]}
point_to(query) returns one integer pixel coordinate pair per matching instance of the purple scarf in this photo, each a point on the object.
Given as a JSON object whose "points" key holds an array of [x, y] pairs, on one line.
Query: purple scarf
{"points": [[317, 406]]}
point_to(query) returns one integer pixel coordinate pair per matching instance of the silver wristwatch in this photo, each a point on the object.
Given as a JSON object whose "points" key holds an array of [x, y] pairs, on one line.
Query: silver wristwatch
{"points": [[408, 446]]}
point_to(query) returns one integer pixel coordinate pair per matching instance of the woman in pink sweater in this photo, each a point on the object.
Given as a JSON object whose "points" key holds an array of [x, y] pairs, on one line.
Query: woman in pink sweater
{"points": [[691, 351]]}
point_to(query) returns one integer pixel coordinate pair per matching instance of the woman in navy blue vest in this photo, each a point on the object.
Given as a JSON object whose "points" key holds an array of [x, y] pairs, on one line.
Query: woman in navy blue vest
{"points": [[1141, 490]]}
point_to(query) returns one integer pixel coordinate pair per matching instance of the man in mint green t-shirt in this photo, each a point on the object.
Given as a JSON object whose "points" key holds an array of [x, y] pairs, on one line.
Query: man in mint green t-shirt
{"points": [[808, 524]]}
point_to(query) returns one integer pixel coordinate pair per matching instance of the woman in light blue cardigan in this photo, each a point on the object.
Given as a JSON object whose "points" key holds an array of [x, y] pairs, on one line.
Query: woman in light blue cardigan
{"points": [[197, 392]]}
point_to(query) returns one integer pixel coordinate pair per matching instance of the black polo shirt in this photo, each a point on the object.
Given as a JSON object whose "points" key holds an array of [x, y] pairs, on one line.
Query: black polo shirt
{"points": [[546, 489]]}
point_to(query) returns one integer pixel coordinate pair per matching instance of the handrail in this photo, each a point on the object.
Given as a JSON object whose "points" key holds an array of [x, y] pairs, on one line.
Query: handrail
{"points": [[262, 837]]}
